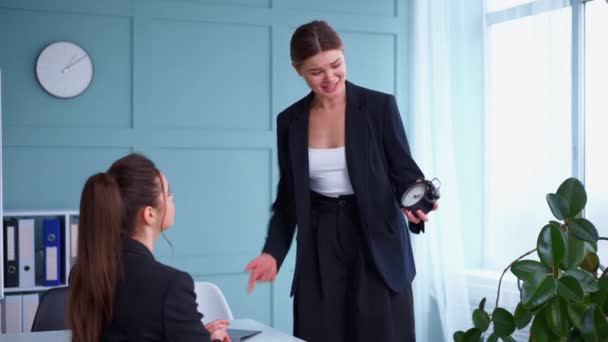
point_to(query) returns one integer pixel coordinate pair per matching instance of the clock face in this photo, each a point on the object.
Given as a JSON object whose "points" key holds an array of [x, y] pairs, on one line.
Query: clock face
{"points": [[64, 69], [413, 195]]}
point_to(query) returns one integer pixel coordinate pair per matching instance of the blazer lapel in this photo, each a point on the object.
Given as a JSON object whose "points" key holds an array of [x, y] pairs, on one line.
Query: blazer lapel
{"points": [[298, 145], [357, 140], [357, 151]]}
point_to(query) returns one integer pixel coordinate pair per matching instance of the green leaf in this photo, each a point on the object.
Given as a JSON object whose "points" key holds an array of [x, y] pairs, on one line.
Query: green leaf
{"points": [[536, 295], [572, 191], [575, 336], [472, 335], [492, 338], [504, 323], [591, 263], [481, 319], [522, 316], [551, 247], [583, 229], [459, 336], [559, 207], [540, 331], [593, 324], [591, 246], [530, 270], [557, 316], [575, 313], [508, 339], [575, 252], [586, 279], [482, 304], [600, 296], [570, 289]]}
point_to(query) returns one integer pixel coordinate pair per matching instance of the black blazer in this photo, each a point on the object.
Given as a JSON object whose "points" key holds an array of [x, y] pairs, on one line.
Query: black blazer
{"points": [[154, 302], [380, 168]]}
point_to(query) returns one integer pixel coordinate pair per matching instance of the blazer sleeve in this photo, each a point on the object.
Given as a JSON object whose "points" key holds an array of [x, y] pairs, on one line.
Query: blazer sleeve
{"points": [[281, 226], [404, 171], [182, 320]]}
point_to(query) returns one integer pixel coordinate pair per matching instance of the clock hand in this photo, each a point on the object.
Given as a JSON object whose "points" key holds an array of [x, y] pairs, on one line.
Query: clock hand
{"points": [[73, 63], [74, 56]]}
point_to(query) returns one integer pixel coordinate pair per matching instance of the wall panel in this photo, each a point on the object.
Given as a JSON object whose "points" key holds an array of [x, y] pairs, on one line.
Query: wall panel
{"points": [[196, 85]]}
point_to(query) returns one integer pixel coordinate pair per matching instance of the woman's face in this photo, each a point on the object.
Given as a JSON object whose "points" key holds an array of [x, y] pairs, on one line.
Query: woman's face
{"points": [[325, 73], [167, 199]]}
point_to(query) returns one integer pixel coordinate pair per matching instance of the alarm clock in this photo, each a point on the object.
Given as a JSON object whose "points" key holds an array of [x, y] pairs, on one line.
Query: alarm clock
{"points": [[421, 196]]}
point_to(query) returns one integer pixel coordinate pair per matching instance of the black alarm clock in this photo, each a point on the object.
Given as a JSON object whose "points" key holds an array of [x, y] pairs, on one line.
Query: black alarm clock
{"points": [[421, 196]]}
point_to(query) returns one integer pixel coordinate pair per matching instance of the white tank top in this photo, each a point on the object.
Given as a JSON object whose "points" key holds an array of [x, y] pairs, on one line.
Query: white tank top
{"points": [[328, 172]]}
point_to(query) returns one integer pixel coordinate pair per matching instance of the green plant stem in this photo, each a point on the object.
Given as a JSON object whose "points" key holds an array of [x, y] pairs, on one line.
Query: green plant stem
{"points": [[505, 271], [603, 238]]}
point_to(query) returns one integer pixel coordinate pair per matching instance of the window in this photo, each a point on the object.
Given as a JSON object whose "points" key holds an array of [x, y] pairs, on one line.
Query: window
{"points": [[545, 118], [528, 129], [497, 5], [596, 114]]}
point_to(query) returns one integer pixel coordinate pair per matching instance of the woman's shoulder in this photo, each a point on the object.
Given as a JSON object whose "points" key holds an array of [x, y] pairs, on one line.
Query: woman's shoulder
{"points": [[301, 105], [173, 273], [370, 95], [146, 268]]}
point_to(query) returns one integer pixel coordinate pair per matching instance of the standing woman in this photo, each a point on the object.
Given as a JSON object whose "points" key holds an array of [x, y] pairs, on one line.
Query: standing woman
{"points": [[344, 162], [117, 291]]}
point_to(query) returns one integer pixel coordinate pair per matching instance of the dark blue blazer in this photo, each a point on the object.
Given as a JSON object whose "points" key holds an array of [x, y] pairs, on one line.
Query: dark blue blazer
{"points": [[154, 302], [380, 168]]}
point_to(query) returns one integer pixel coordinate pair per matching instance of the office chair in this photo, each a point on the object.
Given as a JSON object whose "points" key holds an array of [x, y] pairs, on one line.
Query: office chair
{"points": [[211, 302], [51, 313]]}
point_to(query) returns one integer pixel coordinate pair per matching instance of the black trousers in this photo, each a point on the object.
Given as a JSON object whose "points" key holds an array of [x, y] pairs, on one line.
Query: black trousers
{"points": [[340, 295]]}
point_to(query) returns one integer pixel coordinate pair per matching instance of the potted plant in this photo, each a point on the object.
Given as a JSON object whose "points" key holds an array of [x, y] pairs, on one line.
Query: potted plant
{"points": [[565, 294]]}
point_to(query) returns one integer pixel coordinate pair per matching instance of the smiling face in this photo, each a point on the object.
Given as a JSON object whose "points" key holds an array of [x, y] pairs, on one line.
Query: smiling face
{"points": [[325, 73]]}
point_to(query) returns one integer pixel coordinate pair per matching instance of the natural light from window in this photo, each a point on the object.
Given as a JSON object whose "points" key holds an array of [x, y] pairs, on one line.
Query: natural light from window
{"points": [[527, 130], [497, 5], [596, 101]]}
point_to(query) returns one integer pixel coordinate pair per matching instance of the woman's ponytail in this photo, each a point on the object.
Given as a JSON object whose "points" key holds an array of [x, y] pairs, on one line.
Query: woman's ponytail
{"points": [[97, 270]]}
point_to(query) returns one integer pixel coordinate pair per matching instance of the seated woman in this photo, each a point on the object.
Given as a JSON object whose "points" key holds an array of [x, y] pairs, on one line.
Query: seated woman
{"points": [[117, 291]]}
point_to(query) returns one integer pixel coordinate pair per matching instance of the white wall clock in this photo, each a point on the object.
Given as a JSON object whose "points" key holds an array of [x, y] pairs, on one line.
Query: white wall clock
{"points": [[64, 69]]}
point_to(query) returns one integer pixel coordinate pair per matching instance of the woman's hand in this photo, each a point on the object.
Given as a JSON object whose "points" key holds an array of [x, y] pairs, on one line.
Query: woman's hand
{"points": [[419, 215], [220, 324], [263, 268], [221, 335]]}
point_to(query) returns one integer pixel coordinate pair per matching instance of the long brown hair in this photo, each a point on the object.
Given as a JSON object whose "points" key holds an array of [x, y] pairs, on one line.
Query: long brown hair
{"points": [[109, 206], [312, 38]]}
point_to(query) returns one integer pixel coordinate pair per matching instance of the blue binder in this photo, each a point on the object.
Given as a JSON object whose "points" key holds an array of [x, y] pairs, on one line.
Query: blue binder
{"points": [[53, 269]]}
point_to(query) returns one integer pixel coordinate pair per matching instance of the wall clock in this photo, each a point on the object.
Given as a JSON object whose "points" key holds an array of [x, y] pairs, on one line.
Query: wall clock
{"points": [[64, 69]]}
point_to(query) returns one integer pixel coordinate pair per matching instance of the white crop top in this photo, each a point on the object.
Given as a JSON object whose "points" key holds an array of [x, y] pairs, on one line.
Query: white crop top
{"points": [[328, 171]]}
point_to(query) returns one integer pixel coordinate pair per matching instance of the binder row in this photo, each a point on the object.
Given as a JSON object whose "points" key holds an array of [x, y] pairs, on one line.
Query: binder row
{"points": [[34, 250], [17, 313]]}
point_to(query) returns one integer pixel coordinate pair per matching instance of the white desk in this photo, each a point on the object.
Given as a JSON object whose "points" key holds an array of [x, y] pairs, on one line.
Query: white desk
{"points": [[268, 334]]}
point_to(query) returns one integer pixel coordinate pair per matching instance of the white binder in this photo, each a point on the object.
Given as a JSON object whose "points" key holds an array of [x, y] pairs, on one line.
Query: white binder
{"points": [[27, 260], [13, 314], [73, 240], [2, 328], [30, 305]]}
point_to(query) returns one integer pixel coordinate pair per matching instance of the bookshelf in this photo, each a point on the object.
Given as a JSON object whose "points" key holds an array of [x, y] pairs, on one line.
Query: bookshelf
{"points": [[67, 218], [34, 232]]}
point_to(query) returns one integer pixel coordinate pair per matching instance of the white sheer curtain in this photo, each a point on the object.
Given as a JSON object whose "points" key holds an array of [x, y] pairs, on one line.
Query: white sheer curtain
{"points": [[439, 287]]}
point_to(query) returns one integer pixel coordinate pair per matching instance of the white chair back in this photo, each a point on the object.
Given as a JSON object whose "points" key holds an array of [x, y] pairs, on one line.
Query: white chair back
{"points": [[211, 302]]}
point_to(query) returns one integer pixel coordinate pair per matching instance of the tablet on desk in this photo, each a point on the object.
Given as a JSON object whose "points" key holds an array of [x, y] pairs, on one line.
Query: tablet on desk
{"points": [[238, 335]]}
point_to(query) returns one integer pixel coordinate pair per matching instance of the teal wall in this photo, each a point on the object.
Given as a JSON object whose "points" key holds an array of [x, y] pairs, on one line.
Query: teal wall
{"points": [[195, 85]]}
